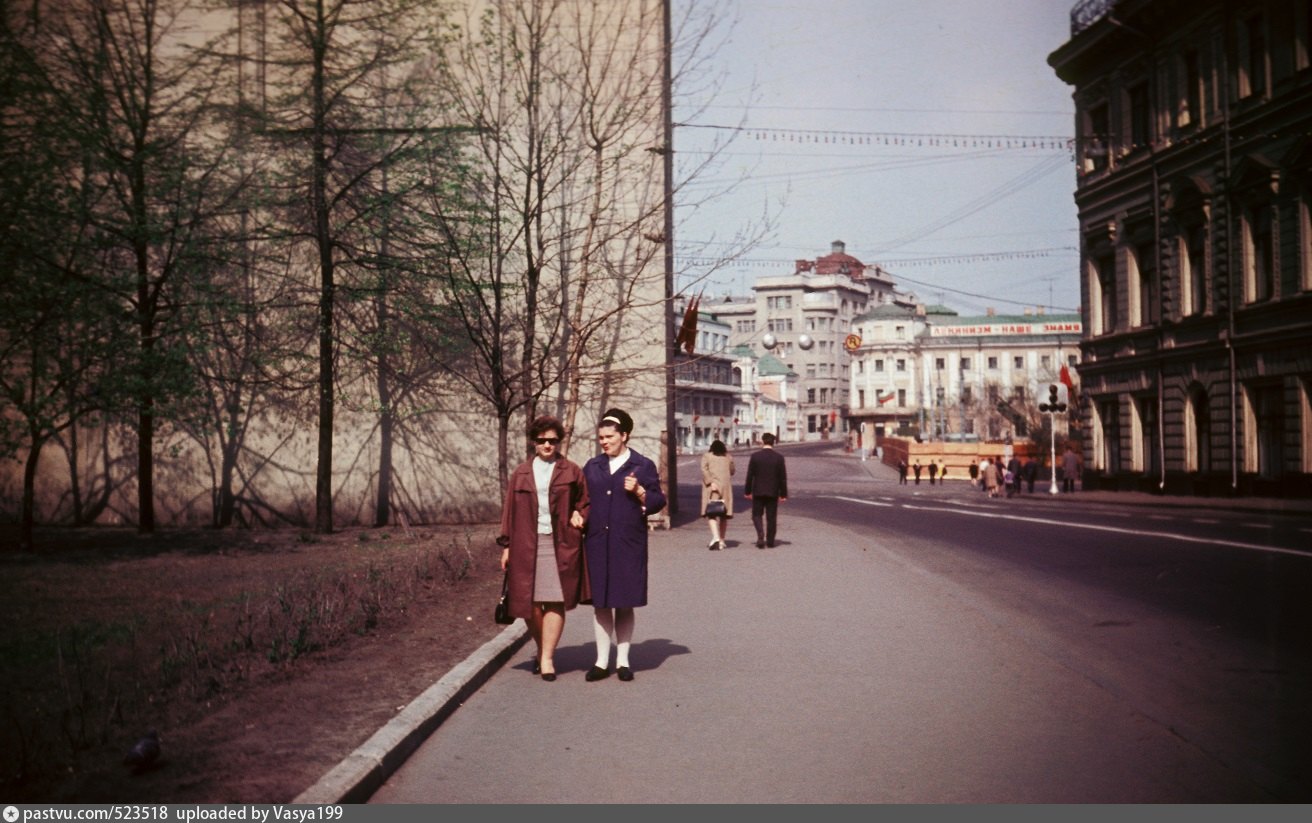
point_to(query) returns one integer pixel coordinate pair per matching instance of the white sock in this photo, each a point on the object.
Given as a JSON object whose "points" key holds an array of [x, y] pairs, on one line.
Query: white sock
{"points": [[624, 620], [603, 623]]}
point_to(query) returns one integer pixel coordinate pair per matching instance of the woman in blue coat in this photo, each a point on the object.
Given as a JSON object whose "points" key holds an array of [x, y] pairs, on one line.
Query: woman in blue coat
{"points": [[623, 488]]}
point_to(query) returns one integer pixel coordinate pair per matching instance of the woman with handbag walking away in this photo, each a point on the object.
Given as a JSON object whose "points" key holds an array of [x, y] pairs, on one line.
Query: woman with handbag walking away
{"points": [[717, 492], [542, 541]]}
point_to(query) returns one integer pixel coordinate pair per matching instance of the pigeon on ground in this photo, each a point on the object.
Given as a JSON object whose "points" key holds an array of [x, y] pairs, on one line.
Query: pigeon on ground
{"points": [[143, 753]]}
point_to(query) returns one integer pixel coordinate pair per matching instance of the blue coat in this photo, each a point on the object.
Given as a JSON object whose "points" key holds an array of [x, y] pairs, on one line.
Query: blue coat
{"points": [[616, 534]]}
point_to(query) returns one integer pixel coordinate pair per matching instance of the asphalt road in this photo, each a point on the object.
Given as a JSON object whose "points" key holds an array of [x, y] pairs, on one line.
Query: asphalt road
{"points": [[918, 644]]}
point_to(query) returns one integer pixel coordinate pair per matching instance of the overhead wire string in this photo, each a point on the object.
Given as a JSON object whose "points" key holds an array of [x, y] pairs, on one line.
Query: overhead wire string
{"points": [[897, 138]]}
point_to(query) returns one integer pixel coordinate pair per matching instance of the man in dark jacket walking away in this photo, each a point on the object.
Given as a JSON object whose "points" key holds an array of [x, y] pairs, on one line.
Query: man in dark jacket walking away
{"points": [[766, 487]]}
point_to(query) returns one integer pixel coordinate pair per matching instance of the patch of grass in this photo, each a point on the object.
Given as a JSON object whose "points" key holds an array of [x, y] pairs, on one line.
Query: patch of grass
{"points": [[166, 632]]}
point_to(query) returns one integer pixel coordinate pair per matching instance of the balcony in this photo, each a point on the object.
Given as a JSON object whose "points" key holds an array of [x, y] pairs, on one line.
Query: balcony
{"points": [[1088, 12]]}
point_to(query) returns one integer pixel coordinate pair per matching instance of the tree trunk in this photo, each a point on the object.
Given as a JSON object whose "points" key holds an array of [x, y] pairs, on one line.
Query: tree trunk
{"points": [[323, 487], [231, 447], [26, 541], [382, 506]]}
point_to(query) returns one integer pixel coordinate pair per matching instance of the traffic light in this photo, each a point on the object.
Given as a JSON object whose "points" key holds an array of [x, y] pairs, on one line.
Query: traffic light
{"points": [[1057, 397]]}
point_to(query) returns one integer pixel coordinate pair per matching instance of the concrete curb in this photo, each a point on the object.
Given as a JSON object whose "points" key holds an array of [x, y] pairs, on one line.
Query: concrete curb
{"points": [[357, 777]]}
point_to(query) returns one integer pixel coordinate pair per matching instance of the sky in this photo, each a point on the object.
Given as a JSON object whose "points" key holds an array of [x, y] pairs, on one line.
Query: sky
{"points": [[932, 138]]}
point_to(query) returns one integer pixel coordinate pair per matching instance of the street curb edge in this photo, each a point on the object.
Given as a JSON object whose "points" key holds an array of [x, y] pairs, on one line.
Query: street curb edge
{"points": [[356, 778]]}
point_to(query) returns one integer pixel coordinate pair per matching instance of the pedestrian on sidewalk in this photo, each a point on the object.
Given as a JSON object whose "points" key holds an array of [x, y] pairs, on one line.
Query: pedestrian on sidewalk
{"points": [[942, 472], [623, 489], [766, 487], [902, 471], [541, 541], [1031, 472], [1070, 467], [991, 476], [717, 469], [974, 472], [916, 468], [933, 472]]}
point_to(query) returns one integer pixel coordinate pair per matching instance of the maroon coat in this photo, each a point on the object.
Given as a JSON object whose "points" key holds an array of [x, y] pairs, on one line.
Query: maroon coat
{"points": [[519, 532]]}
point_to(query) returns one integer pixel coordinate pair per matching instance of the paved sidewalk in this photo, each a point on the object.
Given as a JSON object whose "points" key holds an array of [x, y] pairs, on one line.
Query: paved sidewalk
{"points": [[830, 669], [825, 670]]}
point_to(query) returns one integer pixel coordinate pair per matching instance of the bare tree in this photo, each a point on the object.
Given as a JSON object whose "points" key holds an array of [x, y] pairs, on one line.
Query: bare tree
{"points": [[345, 53], [568, 170]]}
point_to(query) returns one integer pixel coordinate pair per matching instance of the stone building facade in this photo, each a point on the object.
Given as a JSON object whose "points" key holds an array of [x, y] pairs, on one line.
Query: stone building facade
{"points": [[1194, 192]]}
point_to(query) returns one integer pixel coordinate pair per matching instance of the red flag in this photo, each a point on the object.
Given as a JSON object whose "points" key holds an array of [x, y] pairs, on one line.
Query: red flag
{"points": [[1065, 377], [688, 331]]}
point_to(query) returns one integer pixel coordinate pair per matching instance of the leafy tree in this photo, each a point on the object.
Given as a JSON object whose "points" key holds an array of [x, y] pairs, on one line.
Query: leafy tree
{"points": [[135, 100]]}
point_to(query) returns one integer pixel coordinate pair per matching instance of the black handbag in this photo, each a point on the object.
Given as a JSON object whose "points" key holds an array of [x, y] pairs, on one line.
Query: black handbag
{"points": [[716, 508], [502, 614]]}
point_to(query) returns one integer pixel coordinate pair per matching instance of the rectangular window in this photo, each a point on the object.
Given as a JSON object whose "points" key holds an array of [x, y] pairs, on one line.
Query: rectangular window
{"points": [[1305, 236], [1018, 362], [1045, 361], [901, 365], [860, 398], [902, 397], [993, 363], [1191, 94], [1140, 117], [1259, 254], [1193, 278], [965, 395], [965, 364], [1105, 283], [1097, 138], [810, 371], [1145, 260], [1253, 58], [879, 365], [810, 396], [939, 363]]}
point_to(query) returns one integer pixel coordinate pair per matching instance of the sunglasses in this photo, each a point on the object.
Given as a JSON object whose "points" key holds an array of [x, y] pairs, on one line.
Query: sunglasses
{"points": [[544, 440]]}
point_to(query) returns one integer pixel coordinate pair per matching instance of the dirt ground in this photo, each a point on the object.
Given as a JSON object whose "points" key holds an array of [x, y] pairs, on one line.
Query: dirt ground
{"points": [[262, 658]]}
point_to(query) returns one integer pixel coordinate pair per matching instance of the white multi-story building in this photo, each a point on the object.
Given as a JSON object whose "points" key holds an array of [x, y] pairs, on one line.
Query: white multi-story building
{"points": [[933, 373], [807, 315]]}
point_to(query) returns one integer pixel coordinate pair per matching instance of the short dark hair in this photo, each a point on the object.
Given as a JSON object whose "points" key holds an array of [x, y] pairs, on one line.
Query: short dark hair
{"points": [[546, 423], [618, 418], [717, 448], [767, 439]]}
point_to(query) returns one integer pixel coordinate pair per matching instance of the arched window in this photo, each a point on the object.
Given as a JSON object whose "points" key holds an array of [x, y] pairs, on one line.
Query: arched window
{"points": [[1197, 431]]}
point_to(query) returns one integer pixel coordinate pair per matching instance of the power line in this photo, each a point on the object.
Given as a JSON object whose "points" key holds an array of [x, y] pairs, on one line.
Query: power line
{"points": [[894, 138], [972, 257]]}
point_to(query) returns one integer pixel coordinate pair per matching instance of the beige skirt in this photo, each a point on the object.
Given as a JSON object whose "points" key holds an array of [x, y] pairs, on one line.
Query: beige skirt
{"points": [[546, 581]]}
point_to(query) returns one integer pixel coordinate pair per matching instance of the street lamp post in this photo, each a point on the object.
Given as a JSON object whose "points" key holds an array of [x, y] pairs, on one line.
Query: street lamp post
{"points": [[1055, 405]]}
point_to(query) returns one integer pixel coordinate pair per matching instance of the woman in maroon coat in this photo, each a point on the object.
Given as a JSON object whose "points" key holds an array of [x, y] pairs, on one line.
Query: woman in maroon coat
{"points": [[623, 487], [541, 539]]}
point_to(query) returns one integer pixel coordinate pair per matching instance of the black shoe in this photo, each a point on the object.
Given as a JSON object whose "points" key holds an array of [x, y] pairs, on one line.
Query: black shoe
{"points": [[769, 544], [713, 546], [550, 677], [596, 673], [760, 544], [625, 673]]}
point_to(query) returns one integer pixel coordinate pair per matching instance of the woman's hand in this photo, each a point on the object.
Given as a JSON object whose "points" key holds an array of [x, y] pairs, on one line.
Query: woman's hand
{"points": [[505, 558], [576, 520], [634, 488]]}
